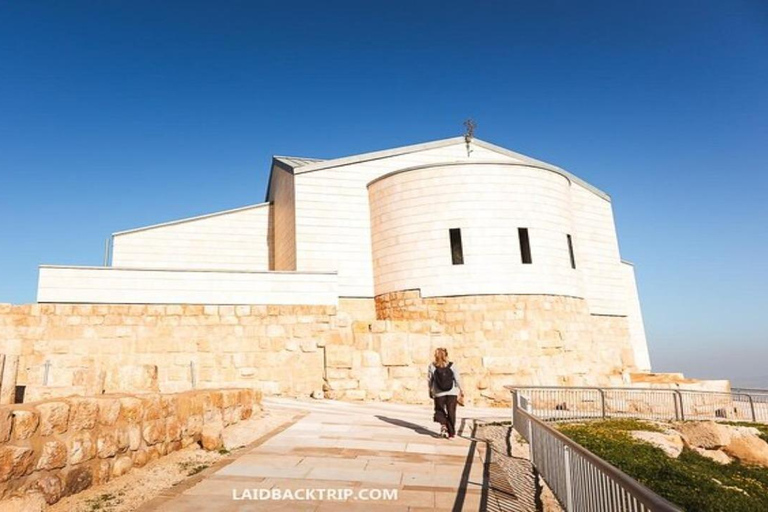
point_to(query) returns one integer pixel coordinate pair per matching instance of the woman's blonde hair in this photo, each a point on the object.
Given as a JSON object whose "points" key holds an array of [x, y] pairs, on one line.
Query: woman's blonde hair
{"points": [[441, 357]]}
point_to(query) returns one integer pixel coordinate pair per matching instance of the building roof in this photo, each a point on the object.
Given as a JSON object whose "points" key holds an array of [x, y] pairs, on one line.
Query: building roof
{"points": [[190, 219], [299, 165], [297, 161]]}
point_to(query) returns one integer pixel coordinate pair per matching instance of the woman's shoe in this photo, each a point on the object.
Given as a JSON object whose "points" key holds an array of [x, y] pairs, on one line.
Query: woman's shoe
{"points": [[443, 431]]}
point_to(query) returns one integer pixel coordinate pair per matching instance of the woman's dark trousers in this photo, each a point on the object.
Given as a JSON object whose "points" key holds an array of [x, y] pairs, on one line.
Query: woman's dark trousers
{"points": [[445, 412]]}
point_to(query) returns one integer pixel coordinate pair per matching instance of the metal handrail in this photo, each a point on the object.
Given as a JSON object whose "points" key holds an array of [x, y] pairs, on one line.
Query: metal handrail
{"points": [[604, 496], [582, 402]]}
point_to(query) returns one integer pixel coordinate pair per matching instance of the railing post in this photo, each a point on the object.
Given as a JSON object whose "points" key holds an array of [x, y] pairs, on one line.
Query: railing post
{"points": [[602, 402], [679, 398], [568, 487], [192, 375], [530, 430], [752, 408], [514, 406]]}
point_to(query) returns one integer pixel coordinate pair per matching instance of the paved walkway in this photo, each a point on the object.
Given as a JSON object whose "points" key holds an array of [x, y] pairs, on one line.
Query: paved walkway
{"points": [[357, 449]]}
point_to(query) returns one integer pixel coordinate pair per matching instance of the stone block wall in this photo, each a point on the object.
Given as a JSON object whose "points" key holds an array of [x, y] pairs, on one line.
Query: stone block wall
{"points": [[111, 348], [495, 340], [60, 447]]}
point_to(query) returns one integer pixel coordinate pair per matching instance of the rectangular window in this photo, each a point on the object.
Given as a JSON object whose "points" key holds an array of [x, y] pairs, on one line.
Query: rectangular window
{"points": [[570, 251], [457, 253], [525, 245]]}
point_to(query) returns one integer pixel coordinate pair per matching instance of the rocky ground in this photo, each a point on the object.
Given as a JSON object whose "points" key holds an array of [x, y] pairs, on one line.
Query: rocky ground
{"points": [[514, 484], [130, 491]]}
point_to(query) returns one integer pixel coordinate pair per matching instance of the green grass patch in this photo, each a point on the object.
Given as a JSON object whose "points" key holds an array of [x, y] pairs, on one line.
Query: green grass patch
{"points": [[192, 468], [103, 502], [692, 482]]}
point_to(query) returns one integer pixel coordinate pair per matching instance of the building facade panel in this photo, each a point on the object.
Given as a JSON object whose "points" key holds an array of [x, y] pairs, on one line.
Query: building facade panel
{"points": [[413, 211], [235, 240], [283, 198], [334, 202], [146, 286]]}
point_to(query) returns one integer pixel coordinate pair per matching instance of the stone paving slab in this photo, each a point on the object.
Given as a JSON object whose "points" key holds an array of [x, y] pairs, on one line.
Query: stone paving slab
{"points": [[355, 448]]}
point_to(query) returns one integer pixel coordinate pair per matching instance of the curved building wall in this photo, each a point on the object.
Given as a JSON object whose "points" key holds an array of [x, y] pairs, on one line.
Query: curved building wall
{"points": [[413, 210]]}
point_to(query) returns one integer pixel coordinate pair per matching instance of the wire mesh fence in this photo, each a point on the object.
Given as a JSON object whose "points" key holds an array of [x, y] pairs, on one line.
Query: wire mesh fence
{"points": [[574, 403], [580, 480]]}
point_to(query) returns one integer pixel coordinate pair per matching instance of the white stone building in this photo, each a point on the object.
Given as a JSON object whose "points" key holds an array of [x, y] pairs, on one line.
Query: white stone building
{"points": [[392, 233]]}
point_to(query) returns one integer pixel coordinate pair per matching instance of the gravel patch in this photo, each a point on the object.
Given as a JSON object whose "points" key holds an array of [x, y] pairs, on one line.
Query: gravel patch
{"points": [[514, 485]]}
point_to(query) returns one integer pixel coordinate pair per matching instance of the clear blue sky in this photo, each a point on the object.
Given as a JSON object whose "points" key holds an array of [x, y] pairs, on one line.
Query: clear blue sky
{"points": [[124, 113]]}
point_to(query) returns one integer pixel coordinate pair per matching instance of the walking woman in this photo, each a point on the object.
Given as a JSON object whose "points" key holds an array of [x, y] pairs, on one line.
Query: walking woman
{"points": [[445, 390]]}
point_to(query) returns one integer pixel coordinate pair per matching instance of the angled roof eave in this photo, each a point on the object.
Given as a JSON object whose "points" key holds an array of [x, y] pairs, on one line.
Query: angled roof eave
{"points": [[377, 155], [189, 219], [387, 153], [541, 163]]}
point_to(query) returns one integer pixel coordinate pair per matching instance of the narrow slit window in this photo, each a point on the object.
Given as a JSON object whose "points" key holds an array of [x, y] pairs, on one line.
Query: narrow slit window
{"points": [[570, 251], [457, 253], [525, 245]]}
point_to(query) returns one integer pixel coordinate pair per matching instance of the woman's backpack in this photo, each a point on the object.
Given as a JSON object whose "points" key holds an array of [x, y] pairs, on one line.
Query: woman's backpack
{"points": [[443, 378]]}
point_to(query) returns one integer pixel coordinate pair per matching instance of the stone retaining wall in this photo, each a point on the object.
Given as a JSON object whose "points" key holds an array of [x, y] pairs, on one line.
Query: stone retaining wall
{"points": [[63, 446], [495, 340], [91, 349]]}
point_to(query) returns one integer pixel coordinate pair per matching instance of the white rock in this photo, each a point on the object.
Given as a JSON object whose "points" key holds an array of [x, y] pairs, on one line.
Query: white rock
{"points": [[670, 442]]}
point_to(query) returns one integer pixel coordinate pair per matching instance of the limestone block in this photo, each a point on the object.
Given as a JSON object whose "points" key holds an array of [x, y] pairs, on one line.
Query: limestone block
{"points": [[421, 349], [309, 345], [342, 384], [122, 437], [355, 394], [397, 372], [132, 378], [25, 422], [15, 461], [276, 331], [83, 414], [106, 444], [6, 422], [109, 411], [53, 455], [140, 458], [500, 365], [373, 378], [748, 449], [81, 448], [172, 428], [193, 426], [153, 431], [101, 470], [168, 404], [54, 417], [134, 436], [715, 455], [371, 358], [705, 434], [51, 488], [671, 443], [152, 407], [338, 356], [122, 465], [211, 436], [395, 350]]}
